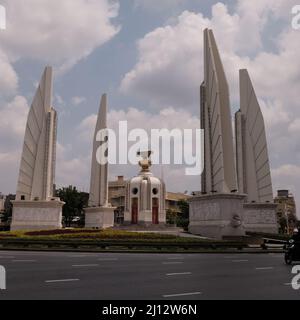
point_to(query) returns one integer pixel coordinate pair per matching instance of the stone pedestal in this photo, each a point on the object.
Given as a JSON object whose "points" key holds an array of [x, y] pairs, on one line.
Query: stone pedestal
{"points": [[99, 217], [37, 215], [217, 215], [260, 217]]}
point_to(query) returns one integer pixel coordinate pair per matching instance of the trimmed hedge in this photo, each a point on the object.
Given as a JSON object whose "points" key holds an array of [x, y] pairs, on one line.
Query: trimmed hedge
{"points": [[59, 231], [269, 235], [83, 234]]}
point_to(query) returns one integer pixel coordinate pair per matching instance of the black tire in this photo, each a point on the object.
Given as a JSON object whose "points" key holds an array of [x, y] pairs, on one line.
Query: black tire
{"points": [[288, 258]]}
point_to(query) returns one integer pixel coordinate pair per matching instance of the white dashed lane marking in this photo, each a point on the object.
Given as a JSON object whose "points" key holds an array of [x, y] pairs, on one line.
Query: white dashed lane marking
{"points": [[85, 265], [79, 256], [181, 294], [23, 260], [178, 273], [61, 280]]}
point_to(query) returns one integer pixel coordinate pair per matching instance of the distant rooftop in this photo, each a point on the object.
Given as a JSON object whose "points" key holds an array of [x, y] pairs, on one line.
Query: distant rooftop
{"points": [[176, 196]]}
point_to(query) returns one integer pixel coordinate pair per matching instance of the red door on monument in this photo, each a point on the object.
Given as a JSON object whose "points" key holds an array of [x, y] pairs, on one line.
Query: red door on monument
{"points": [[155, 211], [134, 211]]}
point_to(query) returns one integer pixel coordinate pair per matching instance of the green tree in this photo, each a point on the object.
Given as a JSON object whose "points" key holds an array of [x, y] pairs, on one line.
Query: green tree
{"points": [[183, 215], [8, 207], [75, 202], [282, 225], [171, 216]]}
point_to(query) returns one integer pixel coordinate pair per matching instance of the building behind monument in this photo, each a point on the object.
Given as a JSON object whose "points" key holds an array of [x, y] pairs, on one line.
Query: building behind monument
{"points": [[286, 211]]}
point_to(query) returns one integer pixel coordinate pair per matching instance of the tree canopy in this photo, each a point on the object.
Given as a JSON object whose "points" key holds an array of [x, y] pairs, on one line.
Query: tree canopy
{"points": [[75, 202]]}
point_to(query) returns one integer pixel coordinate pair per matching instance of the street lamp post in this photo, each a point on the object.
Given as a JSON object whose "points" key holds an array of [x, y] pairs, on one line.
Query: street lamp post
{"points": [[287, 218]]}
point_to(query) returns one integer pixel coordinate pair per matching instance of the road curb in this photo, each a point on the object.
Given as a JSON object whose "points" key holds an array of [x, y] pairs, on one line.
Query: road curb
{"points": [[212, 251]]}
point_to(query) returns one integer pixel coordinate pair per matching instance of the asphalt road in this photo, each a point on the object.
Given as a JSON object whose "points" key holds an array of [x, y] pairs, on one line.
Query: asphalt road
{"points": [[114, 276]]}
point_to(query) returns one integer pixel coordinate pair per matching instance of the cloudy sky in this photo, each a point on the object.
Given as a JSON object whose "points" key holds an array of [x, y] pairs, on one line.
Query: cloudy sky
{"points": [[147, 55]]}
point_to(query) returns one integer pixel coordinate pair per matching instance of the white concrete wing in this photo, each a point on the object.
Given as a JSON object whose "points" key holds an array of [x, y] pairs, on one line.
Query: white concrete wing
{"points": [[219, 173], [37, 168], [99, 172], [253, 169]]}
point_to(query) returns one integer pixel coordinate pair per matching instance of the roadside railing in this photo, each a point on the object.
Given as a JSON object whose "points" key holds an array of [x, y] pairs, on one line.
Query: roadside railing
{"points": [[273, 243]]}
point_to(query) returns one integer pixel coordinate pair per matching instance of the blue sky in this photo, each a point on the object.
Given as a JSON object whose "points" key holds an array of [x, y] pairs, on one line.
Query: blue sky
{"points": [[147, 56]]}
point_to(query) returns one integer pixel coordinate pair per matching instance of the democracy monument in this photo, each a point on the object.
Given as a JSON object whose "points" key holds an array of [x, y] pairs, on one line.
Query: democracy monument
{"points": [[236, 188], [236, 196]]}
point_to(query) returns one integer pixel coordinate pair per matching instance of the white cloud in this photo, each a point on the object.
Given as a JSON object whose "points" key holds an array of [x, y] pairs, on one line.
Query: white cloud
{"points": [[168, 69], [86, 128], [170, 63], [13, 117], [76, 101], [9, 162], [294, 127], [57, 32], [13, 120], [59, 99], [168, 118], [66, 166], [8, 78], [158, 5]]}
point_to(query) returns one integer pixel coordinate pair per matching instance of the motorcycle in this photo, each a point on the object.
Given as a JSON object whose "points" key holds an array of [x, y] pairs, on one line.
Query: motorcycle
{"points": [[291, 252]]}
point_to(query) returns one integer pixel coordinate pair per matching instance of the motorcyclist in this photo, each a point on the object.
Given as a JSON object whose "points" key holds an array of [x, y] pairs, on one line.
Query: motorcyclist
{"points": [[296, 236], [292, 252]]}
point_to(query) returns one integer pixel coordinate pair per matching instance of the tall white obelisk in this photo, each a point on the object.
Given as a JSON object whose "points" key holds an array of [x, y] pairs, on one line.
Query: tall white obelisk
{"points": [[35, 207], [99, 214]]}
